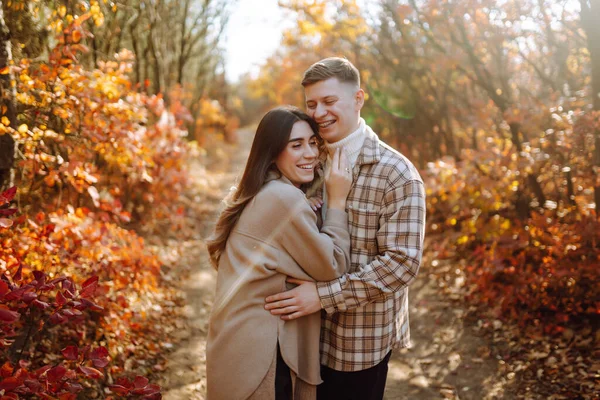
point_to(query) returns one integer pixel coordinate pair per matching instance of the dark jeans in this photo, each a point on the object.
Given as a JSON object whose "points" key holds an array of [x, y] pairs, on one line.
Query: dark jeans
{"points": [[283, 379], [367, 384]]}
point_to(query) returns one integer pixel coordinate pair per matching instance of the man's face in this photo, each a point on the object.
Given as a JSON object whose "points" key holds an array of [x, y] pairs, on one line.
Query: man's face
{"points": [[335, 106]]}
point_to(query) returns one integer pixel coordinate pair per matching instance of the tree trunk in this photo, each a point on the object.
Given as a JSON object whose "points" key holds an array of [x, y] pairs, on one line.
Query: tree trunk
{"points": [[7, 102]]}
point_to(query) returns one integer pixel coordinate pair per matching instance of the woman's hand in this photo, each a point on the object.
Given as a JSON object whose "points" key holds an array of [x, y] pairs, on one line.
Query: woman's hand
{"points": [[315, 202], [338, 181]]}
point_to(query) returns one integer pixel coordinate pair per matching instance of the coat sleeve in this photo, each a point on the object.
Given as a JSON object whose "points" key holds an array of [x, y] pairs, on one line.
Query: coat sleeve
{"points": [[400, 242], [324, 254]]}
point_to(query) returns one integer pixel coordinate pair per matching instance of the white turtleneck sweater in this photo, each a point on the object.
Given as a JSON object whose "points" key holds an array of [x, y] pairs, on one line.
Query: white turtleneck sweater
{"points": [[351, 145]]}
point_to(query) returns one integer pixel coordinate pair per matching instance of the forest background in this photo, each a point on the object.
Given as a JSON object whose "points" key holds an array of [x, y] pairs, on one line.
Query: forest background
{"points": [[107, 105]]}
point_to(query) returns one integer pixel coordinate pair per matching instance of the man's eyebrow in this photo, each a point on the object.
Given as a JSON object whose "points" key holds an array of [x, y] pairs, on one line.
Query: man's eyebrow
{"points": [[329, 96]]}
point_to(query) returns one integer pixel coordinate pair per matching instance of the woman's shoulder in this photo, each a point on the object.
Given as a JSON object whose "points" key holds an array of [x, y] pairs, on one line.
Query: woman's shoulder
{"points": [[277, 190], [276, 201]]}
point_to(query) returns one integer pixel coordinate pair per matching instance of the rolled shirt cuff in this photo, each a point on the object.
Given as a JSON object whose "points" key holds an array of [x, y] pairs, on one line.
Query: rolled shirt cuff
{"points": [[331, 296]]}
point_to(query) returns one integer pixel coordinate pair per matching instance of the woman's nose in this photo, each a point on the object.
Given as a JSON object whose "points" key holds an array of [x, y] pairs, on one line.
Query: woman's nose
{"points": [[310, 152]]}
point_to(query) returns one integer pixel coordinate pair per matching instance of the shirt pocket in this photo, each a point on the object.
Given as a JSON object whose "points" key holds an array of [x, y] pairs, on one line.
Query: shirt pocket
{"points": [[363, 223]]}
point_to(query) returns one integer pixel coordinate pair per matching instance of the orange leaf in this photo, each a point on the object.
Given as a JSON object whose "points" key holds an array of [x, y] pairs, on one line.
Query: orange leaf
{"points": [[76, 36]]}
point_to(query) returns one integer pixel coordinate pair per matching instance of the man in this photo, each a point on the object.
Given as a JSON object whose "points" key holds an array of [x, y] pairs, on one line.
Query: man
{"points": [[366, 310]]}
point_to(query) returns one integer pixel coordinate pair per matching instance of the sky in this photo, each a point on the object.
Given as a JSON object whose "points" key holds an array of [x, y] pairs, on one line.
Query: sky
{"points": [[252, 35], [254, 32]]}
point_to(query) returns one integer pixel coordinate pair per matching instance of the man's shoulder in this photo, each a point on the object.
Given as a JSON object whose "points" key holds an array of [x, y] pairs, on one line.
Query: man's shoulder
{"points": [[395, 166]]}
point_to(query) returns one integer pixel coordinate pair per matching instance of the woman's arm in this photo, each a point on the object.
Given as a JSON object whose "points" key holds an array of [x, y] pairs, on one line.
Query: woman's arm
{"points": [[325, 254]]}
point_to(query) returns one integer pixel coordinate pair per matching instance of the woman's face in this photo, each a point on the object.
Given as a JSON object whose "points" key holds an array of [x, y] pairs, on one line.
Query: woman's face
{"points": [[297, 161]]}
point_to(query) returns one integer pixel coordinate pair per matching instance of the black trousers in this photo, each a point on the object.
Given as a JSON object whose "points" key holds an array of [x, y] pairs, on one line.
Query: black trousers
{"points": [[283, 379], [368, 384]]}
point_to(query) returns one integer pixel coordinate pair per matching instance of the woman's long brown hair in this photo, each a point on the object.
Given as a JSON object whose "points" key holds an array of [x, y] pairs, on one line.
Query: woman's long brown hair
{"points": [[272, 136]]}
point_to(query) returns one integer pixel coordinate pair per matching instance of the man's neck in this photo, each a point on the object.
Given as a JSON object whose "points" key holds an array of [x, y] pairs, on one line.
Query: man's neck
{"points": [[350, 132], [351, 144]]}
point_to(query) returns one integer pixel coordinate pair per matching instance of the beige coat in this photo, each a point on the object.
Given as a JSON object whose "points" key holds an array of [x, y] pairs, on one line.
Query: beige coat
{"points": [[276, 237]]}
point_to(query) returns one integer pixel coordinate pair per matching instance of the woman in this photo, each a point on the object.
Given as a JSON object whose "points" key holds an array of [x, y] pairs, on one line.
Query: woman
{"points": [[267, 232]]}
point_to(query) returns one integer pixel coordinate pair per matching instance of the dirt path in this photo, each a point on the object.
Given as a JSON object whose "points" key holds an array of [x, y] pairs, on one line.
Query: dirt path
{"points": [[447, 361], [185, 374]]}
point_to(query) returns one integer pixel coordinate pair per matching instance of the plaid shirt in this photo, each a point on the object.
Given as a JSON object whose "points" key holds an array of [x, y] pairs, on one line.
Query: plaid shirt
{"points": [[366, 310]]}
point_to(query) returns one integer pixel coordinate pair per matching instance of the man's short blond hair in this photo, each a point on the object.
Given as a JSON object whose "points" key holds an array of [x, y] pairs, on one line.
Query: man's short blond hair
{"points": [[332, 67]]}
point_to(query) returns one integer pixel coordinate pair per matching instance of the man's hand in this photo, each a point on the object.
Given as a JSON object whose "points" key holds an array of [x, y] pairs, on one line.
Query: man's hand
{"points": [[295, 303]]}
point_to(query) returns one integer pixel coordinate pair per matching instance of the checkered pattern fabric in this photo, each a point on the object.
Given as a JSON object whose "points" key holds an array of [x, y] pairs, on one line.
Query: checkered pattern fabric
{"points": [[366, 310]]}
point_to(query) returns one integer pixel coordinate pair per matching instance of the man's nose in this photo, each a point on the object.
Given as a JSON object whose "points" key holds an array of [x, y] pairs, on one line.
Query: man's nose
{"points": [[320, 111]]}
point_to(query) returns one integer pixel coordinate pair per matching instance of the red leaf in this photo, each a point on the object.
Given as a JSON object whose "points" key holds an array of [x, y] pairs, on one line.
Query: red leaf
{"points": [[140, 382], [70, 352], [10, 383], [16, 294], [3, 289], [33, 384], [58, 280], [68, 312], [60, 299], [8, 316], [46, 287], [89, 304], [41, 371], [6, 370], [89, 286], [74, 387], [99, 357], [55, 374], [29, 296], [58, 318], [18, 275], [7, 196], [8, 211], [120, 390], [91, 372], [39, 276], [148, 390], [40, 304]]}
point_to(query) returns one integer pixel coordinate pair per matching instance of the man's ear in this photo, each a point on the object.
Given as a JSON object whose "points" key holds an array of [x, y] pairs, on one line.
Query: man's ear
{"points": [[359, 98]]}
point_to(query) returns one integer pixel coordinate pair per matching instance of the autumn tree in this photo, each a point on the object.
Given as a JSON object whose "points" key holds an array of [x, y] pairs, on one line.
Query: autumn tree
{"points": [[590, 15], [7, 101]]}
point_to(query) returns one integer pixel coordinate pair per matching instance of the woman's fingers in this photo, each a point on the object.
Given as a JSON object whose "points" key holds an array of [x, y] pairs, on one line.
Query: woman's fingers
{"points": [[335, 160]]}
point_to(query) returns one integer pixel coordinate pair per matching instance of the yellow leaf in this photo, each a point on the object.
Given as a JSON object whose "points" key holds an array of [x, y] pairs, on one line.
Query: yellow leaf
{"points": [[5, 121], [62, 11], [462, 240], [23, 128], [5, 70]]}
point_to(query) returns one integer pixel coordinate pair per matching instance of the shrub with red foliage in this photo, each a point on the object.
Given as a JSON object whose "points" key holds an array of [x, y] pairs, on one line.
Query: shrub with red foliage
{"points": [[540, 268], [77, 288]]}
